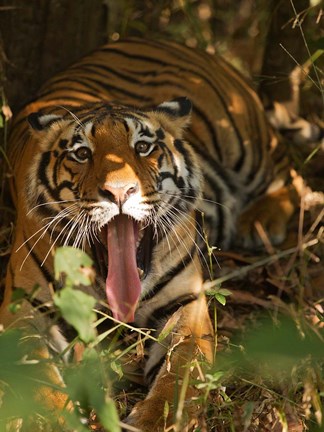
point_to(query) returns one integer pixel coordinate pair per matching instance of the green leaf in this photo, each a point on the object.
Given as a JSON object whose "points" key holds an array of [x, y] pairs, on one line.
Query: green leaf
{"points": [[277, 349], [14, 307], [87, 383], [10, 348], [220, 298], [74, 421], [212, 381], [219, 294], [166, 411], [18, 294], [17, 297], [116, 367], [90, 354], [75, 264], [76, 308], [214, 377], [225, 292], [108, 416]]}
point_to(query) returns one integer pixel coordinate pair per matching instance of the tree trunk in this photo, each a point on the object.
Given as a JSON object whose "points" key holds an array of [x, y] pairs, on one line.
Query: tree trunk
{"points": [[41, 37], [284, 49]]}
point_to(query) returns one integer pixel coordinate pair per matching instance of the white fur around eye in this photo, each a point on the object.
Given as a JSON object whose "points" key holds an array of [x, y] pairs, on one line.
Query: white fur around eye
{"points": [[136, 128], [144, 148], [81, 152]]}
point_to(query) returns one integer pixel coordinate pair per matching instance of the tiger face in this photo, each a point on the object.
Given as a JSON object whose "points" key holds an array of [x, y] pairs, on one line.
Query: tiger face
{"points": [[114, 179]]}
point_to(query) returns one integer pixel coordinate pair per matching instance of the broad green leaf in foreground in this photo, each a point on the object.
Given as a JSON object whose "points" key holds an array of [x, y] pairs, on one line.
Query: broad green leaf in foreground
{"points": [[76, 306], [77, 309], [108, 416], [74, 264], [87, 383]]}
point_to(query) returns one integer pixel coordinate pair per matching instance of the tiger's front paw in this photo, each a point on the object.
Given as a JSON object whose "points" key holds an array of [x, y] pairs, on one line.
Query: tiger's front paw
{"points": [[147, 415], [272, 212], [156, 415]]}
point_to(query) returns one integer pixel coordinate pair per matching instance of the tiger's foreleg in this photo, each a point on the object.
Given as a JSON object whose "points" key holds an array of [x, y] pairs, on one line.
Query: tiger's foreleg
{"points": [[172, 399]]}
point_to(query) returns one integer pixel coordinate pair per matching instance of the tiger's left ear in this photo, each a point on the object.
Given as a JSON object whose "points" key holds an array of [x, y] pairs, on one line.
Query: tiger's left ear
{"points": [[177, 110], [41, 122]]}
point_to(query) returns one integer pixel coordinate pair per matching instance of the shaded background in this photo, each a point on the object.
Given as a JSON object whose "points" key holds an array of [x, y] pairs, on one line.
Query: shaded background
{"points": [[41, 37]]}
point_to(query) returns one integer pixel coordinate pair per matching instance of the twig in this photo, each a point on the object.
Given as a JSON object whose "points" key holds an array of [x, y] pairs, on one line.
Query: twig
{"points": [[308, 51], [268, 260]]}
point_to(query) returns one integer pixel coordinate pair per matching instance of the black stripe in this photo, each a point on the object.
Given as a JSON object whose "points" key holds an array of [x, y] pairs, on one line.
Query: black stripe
{"points": [[114, 50], [165, 311], [48, 276], [69, 170], [101, 85], [204, 76], [66, 184], [197, 111], [171, 274], [42, 206], [39, 305], [63, 143], [66, 88], [183, 151], [56, 168], [43, 164], [151, 374], [160, 314], [65, 100], [92, 69], [66, 329], [218, 189], [214, 164], [41, 174]]}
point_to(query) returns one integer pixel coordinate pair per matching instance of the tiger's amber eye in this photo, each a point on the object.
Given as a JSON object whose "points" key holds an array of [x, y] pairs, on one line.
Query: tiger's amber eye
{"points": [[142, 147], [83, 153]]}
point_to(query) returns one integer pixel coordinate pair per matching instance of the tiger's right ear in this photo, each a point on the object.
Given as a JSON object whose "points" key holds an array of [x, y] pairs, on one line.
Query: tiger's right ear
{"points": [[41, 122], [177, 111]]}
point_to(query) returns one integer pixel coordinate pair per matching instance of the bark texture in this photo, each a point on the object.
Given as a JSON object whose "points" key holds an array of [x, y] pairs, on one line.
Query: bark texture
{"points": [[41, 37], [278, 63]]}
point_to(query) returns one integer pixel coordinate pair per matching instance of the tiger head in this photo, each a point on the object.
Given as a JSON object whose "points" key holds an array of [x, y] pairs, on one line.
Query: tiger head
{"points": [[115, 179]]}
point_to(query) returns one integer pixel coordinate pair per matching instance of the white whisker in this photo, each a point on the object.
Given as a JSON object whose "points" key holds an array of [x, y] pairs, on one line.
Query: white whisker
{"points": [[50, 203], [77, 120], [184, 198], [57, 238]]}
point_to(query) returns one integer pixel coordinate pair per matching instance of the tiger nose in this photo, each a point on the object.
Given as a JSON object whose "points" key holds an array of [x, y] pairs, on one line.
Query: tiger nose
{"points": [[119, 193]]}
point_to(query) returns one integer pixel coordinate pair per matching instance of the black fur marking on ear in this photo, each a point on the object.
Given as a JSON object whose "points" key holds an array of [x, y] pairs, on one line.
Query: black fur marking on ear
{"points": [[39, 121], [179, 107], [33, 120], [185, 106]]}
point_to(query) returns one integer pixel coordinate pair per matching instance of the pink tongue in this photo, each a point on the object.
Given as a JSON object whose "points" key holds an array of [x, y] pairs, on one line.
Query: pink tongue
{"points": [[123, 285]]}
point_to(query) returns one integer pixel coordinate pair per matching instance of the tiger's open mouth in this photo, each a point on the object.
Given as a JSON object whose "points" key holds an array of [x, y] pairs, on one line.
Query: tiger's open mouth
{"points": [[123, 258]]}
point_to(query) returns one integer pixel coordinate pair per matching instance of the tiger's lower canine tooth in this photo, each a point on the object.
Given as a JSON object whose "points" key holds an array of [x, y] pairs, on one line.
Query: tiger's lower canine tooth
{"points": [[140, 272]]}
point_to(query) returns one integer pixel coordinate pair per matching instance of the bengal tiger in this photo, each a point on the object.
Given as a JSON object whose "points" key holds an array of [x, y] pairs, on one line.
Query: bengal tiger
{"points": [[121, 154]]}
